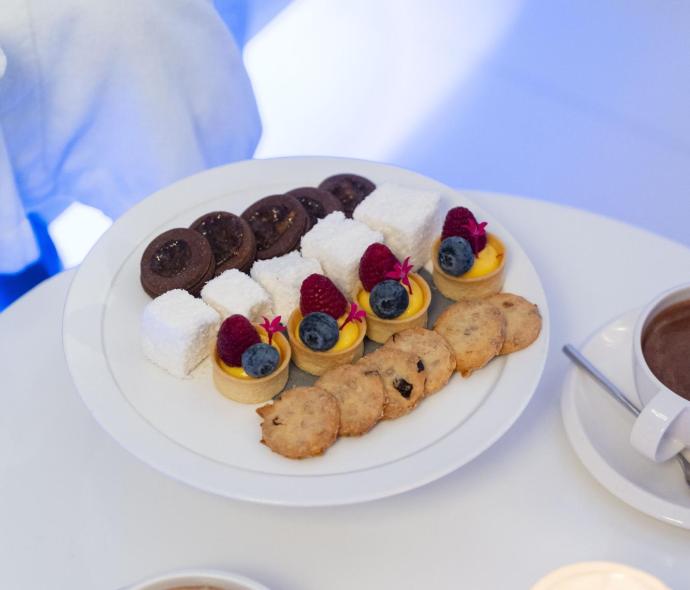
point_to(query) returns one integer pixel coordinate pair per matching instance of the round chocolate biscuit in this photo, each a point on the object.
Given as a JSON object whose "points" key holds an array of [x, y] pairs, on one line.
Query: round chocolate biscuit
{"points": [[179, 258], [350, 190], [318, 203], [231, 238], [278, 223]]}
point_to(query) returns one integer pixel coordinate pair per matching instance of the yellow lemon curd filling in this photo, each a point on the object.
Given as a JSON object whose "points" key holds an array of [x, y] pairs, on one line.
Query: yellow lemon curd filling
{"points": [[239, 372], [488, 260], [416, 300], [347, 335]]}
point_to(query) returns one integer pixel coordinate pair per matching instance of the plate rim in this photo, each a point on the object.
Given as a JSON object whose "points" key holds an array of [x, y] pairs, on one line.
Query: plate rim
{"points": [[379, 480], [601, 470]]}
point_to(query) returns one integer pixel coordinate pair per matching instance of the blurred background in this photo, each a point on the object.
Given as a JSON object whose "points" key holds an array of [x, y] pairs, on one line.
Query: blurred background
{"points": [[580, 103]]}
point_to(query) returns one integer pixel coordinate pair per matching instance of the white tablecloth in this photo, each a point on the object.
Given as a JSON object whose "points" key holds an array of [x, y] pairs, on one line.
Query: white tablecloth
{"points": [[78, 512]]}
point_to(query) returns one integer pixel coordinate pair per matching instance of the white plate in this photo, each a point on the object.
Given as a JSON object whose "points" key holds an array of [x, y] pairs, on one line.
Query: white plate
{"points": [[188, 431], [599, 430]]}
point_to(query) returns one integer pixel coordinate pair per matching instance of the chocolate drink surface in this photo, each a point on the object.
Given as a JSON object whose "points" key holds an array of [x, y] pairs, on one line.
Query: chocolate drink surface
{"points": [[666, 347]]}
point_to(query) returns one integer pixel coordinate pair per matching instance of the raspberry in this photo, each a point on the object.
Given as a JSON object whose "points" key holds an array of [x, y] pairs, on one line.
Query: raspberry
{"points": [[319, 293], [376, 261], [236, 335], [461, 222]]}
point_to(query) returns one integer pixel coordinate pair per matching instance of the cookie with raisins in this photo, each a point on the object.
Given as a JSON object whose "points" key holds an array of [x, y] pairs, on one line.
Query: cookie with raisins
{"points": [[403, 376], [436, 354], [303, 422]]}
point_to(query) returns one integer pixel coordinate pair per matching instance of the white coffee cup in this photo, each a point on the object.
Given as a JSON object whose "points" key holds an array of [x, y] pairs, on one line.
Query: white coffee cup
{"points": [[663, 427]]}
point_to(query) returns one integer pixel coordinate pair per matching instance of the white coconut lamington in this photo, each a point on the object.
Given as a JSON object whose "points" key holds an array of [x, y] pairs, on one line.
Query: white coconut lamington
{"points": [[234, 292], [338, 244], [282, 277], [409, 219], [176, 331]]}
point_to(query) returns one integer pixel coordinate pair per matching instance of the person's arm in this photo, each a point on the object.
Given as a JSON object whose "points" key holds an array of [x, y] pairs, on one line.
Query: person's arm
{"points": [[17, 242]]}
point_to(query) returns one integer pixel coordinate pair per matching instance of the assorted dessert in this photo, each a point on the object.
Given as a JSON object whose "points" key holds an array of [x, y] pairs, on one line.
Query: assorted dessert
{"points": [[278, 223], [340, 265], [326, 330], [468, 262], [349, 189], [250, 362], [393, 298], [350, 399], [231, 239]]}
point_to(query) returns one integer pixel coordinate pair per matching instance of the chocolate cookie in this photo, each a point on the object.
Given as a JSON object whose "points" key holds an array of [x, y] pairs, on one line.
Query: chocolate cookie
{"points": [[403, 377], [318, 203], [302, 422], [278, 223], [231, 239], [523, 321], [436, 354], [179, 258], [475, 330], [360, 395], [350, 190]]}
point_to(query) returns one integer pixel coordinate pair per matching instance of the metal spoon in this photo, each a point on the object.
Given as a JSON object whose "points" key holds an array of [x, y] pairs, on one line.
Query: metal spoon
{"points": [[618, 395]]}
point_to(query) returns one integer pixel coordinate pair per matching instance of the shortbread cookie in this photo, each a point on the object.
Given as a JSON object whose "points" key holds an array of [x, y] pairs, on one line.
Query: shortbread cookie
{"points": [[523, 321], [360, 395], [403, 377], [437, 355], [475, 330], [302, 422]]}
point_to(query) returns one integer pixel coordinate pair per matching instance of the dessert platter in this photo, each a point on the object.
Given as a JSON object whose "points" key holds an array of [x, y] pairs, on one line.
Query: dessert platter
{"points": [[306, 331]]}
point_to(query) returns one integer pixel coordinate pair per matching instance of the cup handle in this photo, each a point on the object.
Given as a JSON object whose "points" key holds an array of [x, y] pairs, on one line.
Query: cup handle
{"points": [[650, 434]]}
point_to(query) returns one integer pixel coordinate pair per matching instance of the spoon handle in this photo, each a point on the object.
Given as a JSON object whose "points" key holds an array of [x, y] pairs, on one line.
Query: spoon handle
{"points": [[616, 393]]}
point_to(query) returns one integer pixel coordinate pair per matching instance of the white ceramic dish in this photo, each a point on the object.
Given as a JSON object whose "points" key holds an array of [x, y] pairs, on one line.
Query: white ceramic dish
{"points": [[187, 430], [599, 575], [192, 578], [599, 430]]}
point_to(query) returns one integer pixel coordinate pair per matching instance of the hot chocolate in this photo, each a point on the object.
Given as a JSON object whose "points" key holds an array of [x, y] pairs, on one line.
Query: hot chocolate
{"points": [[666, 347]]}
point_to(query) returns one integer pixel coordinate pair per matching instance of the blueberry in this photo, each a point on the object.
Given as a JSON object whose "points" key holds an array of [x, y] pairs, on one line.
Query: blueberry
{"points": [[260, 360], [455, 256], [319, 331], [389, 299]]}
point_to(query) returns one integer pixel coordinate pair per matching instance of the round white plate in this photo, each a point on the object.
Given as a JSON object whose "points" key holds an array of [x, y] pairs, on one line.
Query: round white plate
{"points": [[599, 430], [188, 431]]}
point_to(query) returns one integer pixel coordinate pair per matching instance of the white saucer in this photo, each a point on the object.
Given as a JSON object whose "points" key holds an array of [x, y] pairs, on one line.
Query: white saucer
{"points": [[599, 430]]}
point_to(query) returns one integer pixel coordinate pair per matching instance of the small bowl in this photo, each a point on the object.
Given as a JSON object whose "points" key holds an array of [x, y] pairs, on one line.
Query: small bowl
{"points": [[253, 391], [202, 578], [380, 330], [315, 362], [598, 575], [457, 288]]}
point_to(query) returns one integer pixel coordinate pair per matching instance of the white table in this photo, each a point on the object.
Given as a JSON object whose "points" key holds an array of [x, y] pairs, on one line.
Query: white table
{"points": [[78, 512]]}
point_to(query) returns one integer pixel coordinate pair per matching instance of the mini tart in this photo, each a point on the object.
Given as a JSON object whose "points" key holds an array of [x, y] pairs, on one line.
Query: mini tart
{"points": [[457, 288], [249, 390], [380, 330], [317, 362]]}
